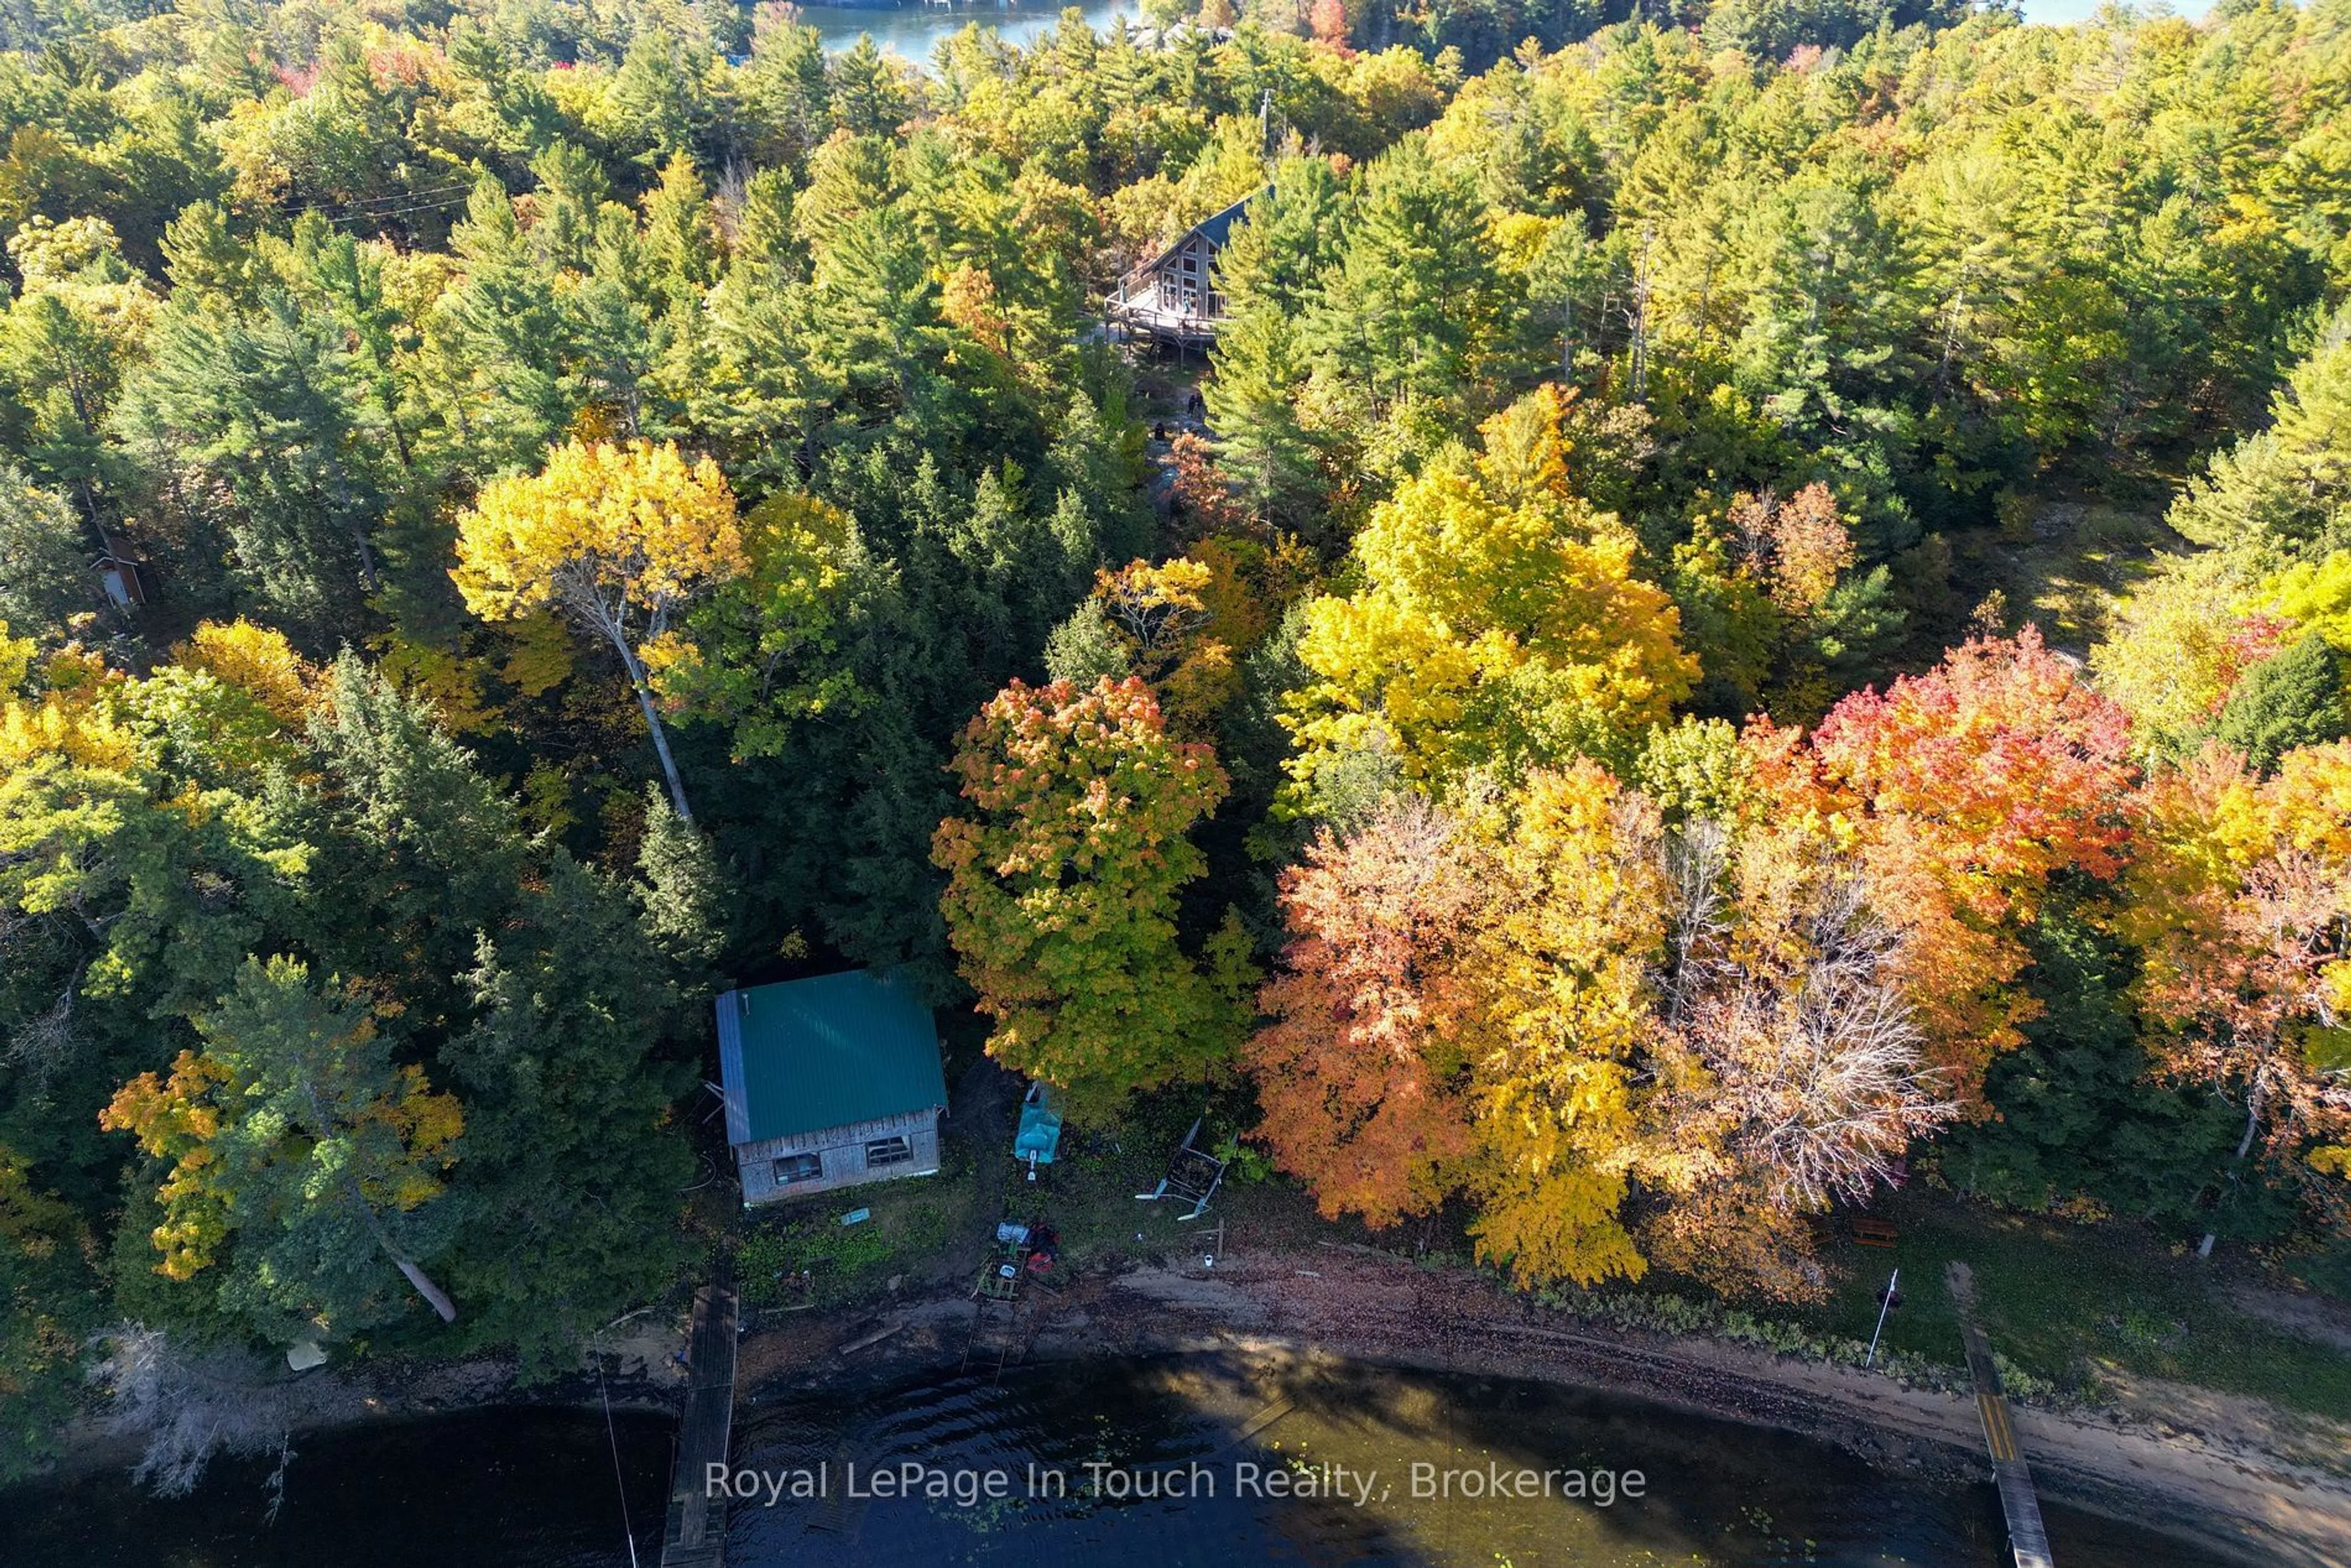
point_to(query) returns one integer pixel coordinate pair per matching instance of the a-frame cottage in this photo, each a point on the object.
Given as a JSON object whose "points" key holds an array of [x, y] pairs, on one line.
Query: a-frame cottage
{"points": [[1173, 297]]}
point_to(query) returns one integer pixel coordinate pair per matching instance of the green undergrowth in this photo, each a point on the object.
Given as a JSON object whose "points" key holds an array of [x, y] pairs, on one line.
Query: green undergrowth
{"points": [[2076, 1308], [802, 1256]]}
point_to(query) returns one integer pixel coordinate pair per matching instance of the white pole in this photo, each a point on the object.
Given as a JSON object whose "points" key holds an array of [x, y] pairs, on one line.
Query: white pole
{"points": [[1885, 1305]]}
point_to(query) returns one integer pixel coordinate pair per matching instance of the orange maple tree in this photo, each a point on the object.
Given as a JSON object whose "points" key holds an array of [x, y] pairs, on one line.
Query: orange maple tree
{"points": [[1360, 1075], [2239, 901], [1964, 789]]}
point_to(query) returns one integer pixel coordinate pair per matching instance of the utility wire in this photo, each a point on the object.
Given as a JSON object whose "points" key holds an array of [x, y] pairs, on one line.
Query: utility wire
{"points": [[362, 206], [400, 195], [618, 1481], [401, 212]]}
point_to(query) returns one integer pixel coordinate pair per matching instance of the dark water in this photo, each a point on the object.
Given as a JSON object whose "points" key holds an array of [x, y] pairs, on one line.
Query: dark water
{"points": [[488, 1488], [536, 1488]]}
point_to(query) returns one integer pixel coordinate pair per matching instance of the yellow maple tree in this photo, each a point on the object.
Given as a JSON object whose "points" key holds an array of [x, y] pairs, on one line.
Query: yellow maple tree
{"points": [[1499, 622], [256, 660], [619, 537], [1567, 1021]]}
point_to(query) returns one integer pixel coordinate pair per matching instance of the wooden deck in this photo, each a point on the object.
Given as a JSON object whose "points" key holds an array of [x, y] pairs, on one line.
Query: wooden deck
{"points": [[695, 1535], [1176, 329]]}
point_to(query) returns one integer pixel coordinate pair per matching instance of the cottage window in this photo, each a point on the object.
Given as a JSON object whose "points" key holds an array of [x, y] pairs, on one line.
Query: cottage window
{"points": [[798, 1169], [888, 1152]]}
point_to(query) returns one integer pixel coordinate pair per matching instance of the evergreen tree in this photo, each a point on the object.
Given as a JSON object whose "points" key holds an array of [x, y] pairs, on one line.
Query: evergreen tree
{"points": [[416, 850], [1414, 301], [867, 97], [2284, 494], [680, 888], [498, 344], [2079, 1114], [268, 414], [570, 1202], [2291, 698], [1286, 240], [1082, 651], [45, 575], [784, 92], [1252, 405]]}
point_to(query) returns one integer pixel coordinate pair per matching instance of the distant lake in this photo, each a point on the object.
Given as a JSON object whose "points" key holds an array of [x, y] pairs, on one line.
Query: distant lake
{"points": [[912, 31]]}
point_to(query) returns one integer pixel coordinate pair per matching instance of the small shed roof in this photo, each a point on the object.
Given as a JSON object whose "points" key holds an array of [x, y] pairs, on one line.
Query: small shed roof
{"points": [[804, 1055]]}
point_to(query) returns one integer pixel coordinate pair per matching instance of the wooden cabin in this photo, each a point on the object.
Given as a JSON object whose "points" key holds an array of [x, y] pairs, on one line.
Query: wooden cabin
{"points": [[829, 1082], [1173, 298]]}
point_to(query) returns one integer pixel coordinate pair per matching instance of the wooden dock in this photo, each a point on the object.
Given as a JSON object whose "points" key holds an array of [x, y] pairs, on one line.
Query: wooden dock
{"points": [[695, 1535], [2027, 1539]]}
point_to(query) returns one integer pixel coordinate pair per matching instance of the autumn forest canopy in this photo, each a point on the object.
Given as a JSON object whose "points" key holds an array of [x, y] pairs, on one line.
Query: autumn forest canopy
{"points": [[515, 513]]}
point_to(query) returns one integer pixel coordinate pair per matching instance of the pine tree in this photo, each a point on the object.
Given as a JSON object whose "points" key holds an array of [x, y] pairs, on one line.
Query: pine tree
{"points": [[2284, 494], [2292, 698], [1252, 405], [497, 343], [269, 411], [867, 97], [784, 92], [1414, 302], [573, 1164], [1287, 238]]}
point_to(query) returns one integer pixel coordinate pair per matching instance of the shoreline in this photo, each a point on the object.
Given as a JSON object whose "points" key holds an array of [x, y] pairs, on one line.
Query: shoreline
{"points": [[2221, 1489], [2227, 1495]]}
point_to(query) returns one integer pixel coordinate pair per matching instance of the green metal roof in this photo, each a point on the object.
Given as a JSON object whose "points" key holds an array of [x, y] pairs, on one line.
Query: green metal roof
{"points": [[804, 1055]]}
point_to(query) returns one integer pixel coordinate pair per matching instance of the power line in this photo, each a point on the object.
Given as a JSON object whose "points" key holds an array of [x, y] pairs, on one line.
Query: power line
{"points": [[362, 206], [401, 212]]}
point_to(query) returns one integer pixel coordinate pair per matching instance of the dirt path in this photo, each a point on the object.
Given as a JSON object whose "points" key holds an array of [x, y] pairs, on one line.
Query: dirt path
{"points": [[2221, 1481]]}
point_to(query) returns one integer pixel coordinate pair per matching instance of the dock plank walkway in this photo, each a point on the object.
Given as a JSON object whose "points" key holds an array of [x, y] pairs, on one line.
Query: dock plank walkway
{"points": [[695, 1535], [2028, 1538]]}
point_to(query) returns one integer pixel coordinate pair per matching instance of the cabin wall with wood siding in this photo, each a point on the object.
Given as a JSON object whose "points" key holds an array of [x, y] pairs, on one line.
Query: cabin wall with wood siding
{"points": [[842, 1150]]}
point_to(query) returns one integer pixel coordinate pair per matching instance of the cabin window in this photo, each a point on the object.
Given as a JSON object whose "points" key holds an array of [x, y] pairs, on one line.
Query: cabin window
{"points": [[888, 1152], [794, 1168]]}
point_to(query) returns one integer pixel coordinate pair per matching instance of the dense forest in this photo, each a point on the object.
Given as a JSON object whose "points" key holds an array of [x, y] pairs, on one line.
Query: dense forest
{"points": [[512, 511]]}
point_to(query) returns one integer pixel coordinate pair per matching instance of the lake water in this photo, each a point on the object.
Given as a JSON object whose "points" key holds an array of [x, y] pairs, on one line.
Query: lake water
{"points": [[536, 1488], [912, 31]]}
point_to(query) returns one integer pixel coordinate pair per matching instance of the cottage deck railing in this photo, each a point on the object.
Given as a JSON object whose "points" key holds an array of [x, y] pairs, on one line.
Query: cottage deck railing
{"points": [[1137, 304]]}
